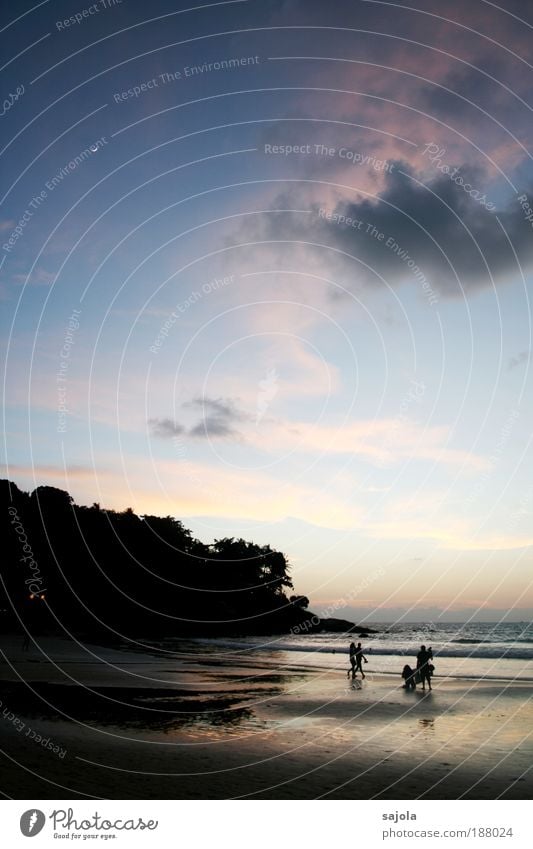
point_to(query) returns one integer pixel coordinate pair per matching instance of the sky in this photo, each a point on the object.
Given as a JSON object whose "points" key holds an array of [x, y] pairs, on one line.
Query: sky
{"points": [[266, 267]]}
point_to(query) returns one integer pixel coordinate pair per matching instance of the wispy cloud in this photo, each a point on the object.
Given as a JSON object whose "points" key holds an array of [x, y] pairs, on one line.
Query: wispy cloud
{"points": [[165, 428], [522, 357], [213, 426], [219, 416], [51, 471], [38, 277], [221, 407], [382, 442], [185, 488]]}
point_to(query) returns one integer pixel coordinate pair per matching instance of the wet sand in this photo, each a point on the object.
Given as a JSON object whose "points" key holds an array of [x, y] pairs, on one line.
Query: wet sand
{"points": [[201, 724]]}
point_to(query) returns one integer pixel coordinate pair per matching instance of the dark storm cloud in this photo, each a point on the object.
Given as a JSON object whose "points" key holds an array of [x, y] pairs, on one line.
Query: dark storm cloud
{"points": [[451, 98], [458, 245], [444, 227], [477, 99]]}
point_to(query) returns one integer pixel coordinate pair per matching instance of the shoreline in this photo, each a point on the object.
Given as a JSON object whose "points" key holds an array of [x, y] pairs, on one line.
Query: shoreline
{"points": [[197, 725]]}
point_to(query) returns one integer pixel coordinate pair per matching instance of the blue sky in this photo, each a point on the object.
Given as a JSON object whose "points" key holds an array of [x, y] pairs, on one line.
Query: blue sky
{"points": [[237, 353]]}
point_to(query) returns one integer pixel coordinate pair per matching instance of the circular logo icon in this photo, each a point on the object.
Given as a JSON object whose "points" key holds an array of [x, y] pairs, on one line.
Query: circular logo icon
{"points": [[32, 822]]}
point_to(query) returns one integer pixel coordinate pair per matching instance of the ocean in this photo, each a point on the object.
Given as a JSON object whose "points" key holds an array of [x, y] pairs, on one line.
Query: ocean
{"points": [[476, 650]]}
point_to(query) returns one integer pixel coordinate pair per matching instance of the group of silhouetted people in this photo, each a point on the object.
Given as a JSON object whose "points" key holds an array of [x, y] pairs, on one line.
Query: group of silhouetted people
{"points": [[423, 672], [356, 660]]}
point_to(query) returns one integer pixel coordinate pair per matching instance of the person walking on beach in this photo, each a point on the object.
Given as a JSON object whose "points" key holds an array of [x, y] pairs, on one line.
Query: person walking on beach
{"points": [[422, 664], [352, 660], [359, 657]]}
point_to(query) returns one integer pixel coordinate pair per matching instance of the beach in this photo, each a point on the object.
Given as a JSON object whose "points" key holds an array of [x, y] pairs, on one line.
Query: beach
{"points": [[198, 722]]}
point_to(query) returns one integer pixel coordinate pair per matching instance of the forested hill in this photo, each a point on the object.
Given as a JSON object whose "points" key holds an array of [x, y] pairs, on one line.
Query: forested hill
{"points": [[92, 570]]}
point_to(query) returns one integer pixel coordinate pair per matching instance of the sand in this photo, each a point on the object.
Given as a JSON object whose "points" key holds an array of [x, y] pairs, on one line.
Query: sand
{"points": [[118, 724]]}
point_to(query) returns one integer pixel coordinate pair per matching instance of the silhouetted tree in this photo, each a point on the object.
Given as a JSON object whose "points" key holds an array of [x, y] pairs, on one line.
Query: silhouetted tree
{"points": [[104, 569], [299, 600]]}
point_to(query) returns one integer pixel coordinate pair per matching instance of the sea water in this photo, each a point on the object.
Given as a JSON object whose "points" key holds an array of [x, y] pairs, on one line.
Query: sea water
{"points": [[475, 650]]}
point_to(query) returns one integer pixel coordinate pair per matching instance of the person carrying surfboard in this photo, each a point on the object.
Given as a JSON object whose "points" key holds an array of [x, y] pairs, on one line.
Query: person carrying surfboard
{"points": [[422, 666]]}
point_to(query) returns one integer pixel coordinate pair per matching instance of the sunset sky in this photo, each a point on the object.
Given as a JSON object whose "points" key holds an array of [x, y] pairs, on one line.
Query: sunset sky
{"points": [[266, 267]]}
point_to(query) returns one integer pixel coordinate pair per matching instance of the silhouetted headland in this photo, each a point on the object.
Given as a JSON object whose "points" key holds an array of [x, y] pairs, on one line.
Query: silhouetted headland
{"points": [[91, 571]]}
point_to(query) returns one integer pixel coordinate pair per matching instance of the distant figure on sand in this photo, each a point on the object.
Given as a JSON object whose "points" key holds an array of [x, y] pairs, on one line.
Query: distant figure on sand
{"points": [[423, 666], [408, 676]]}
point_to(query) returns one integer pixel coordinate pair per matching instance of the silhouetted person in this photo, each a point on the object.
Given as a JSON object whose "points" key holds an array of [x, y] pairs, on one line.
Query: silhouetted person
{"points": [[353, 651], [359, 657], [25, 641], [422, 664], [430, 665], [408, 676]]}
